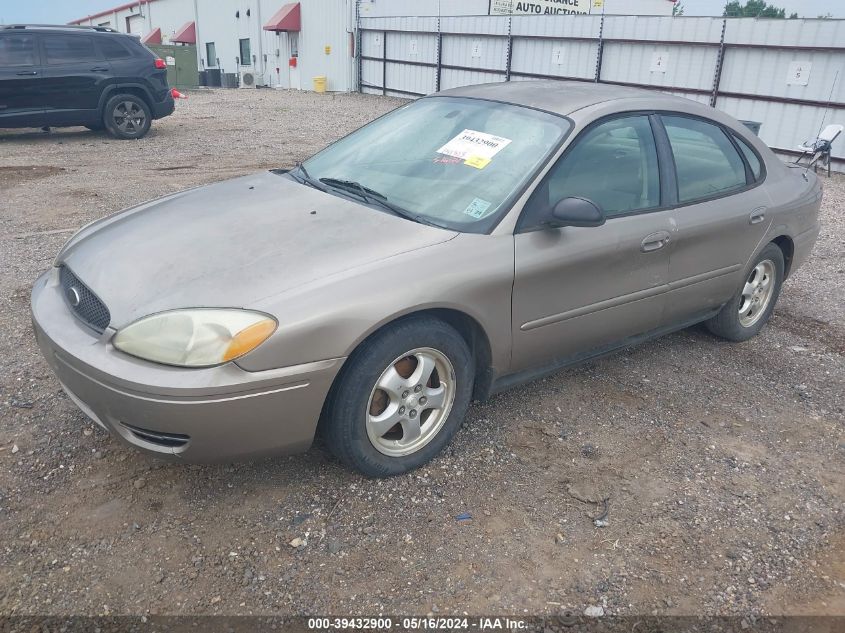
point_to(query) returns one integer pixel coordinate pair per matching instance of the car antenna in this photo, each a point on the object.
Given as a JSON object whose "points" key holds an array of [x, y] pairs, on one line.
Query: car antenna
{"points": [[824, 115]]}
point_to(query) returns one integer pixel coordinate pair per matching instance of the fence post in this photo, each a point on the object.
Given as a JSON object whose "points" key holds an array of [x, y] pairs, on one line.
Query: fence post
{"points": [[384, 62], [439, 56], [510, 49], [720, 59], [358, 42], [600, 51]]}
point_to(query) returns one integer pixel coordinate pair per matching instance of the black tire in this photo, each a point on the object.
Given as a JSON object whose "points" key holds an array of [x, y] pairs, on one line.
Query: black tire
{"points": [[344, 425], [727, 324], [127, 117]]}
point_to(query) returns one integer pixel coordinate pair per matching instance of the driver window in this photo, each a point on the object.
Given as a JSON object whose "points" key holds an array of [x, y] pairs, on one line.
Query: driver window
{"points": [[613, 164]]}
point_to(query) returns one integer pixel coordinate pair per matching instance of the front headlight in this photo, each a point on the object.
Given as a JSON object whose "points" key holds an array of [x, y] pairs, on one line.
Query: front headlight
{"points": [[200, 337]]}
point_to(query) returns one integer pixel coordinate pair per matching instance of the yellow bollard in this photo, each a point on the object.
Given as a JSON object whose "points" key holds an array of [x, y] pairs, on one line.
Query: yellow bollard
{"points": [[320, 83]]}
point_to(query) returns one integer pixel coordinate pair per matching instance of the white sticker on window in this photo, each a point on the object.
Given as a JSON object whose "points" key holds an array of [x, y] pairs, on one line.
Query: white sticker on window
{"points": [[475, 148], [477, 208]]}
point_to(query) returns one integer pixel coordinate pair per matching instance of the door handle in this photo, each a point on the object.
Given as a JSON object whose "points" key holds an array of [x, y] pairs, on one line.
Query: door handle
{"points": [[27, 73], [99, 69], [655, 241], [757, 216]]}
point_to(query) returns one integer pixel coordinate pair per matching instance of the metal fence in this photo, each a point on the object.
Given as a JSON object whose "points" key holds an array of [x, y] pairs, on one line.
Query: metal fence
{"points": [[782, 73]]}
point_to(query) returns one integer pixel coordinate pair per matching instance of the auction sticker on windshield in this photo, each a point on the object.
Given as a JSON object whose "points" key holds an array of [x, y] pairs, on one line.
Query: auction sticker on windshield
{"points": [[475, 148]]}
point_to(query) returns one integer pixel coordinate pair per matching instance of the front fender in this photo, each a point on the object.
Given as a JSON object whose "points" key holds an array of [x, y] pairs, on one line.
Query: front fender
{"points": [[329, 318]]}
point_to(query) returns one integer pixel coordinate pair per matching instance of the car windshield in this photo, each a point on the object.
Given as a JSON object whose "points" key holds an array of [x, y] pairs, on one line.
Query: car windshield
{"points": [[452, 162]]}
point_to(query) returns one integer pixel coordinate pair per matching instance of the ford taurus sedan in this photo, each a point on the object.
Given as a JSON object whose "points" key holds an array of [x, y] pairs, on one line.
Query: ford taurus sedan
{"points": [[463, 243]]}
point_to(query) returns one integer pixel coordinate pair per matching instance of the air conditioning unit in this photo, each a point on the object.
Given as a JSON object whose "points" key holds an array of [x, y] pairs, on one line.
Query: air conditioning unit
{"points": [[248, 79]]}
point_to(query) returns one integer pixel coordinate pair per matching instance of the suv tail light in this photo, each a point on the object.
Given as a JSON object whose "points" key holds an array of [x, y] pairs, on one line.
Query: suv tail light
{"points": [[160, 64]]}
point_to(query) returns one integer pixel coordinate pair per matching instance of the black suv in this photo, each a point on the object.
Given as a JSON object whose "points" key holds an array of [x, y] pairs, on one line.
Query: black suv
{"points": [[91, 76]]}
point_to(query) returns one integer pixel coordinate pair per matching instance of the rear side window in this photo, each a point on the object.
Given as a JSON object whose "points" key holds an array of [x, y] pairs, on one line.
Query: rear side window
{"points": [[706, 161], [17, 50], [113, 49], [68, 49], [751, 157]]}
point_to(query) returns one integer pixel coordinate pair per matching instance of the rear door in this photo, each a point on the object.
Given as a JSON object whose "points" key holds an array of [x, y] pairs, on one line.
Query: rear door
{"points": [[578, 290], [722, 214], [21, 101], [75, 73]]}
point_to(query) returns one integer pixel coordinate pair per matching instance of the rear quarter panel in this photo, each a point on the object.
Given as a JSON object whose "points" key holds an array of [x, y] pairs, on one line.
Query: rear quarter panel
{"points": [[796, 195]]}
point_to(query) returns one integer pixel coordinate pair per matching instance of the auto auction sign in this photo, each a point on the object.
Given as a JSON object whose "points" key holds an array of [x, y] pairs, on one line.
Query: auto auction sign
{"points": [[539, 7]]}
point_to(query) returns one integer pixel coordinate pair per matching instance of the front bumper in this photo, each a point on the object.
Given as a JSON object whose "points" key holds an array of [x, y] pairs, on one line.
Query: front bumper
{"points": [[198, 415]]}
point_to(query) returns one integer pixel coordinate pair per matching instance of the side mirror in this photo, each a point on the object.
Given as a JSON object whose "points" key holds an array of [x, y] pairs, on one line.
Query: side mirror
{"points": [[576, 212]]}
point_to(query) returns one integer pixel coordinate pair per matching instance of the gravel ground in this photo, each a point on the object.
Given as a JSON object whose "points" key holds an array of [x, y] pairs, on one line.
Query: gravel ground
{"points": [[723, 463]]}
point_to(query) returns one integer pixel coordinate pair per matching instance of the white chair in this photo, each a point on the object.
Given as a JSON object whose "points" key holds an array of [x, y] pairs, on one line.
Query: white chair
{"points": [[820, 148]]}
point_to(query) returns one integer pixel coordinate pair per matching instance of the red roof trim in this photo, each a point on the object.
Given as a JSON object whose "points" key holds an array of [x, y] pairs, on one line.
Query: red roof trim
{"points": [[187, 34], [153, 37], [288, 18], [122, 7]]}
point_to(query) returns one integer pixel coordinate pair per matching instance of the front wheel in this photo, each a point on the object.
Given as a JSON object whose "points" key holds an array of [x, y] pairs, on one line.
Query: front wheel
{"points": [[127, 117], [400, 398], [746, 314]]}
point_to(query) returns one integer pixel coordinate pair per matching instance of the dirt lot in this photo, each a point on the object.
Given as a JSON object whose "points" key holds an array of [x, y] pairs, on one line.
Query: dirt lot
{"points": [[723, 463]]}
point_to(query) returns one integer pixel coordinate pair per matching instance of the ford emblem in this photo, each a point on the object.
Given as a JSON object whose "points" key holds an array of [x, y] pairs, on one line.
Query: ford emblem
{"points": [[73, 296]]}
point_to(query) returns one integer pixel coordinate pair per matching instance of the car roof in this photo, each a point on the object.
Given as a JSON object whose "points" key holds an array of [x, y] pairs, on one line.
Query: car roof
{"points": [[561, 97], [62, 28]]}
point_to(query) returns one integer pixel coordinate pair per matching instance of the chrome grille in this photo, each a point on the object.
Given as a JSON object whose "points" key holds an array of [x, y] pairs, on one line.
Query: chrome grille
{"points": [[84, 303]]}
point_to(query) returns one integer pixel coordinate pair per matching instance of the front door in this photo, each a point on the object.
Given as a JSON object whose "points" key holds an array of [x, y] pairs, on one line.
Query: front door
{"points": [[21, 101], [74, 75], [578, 290]]}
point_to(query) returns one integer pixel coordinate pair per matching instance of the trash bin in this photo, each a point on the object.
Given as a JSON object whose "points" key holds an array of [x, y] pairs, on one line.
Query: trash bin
{"points": [[320, 83], [754, 126]]}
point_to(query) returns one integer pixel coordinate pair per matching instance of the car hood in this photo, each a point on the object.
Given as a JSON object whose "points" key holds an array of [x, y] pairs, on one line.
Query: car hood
{"points": [[231, 244]]}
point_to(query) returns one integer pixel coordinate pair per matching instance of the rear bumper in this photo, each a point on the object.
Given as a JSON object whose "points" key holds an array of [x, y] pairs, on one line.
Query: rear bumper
{"points": [[199, 415], [165, 108]]}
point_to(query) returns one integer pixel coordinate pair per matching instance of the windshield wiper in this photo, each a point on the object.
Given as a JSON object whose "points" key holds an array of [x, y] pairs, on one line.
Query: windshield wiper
{"points": [[352, 186], [305, 179], [370, 196]]}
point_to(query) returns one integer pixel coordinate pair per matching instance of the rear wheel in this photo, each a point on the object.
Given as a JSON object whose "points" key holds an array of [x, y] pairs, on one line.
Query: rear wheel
{"points": [[401, 398], [127, 117], [746, 314]]}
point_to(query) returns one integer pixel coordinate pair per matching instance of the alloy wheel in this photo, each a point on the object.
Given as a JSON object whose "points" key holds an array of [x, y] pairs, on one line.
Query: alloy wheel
{"points": [[410, 402], [757, 293], [129, 117]]}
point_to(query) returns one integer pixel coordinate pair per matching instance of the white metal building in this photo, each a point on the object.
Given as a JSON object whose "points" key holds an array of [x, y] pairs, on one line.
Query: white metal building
{"points": [[287, 43], [282, 43]]}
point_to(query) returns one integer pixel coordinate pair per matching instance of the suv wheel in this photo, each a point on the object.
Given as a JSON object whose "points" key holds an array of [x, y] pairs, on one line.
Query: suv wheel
{"points": [[746, 314], [127, 117], [401, 398]]}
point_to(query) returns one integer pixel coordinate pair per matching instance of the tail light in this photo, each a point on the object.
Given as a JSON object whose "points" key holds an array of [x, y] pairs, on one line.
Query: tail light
{"points": [[160, 64]]}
